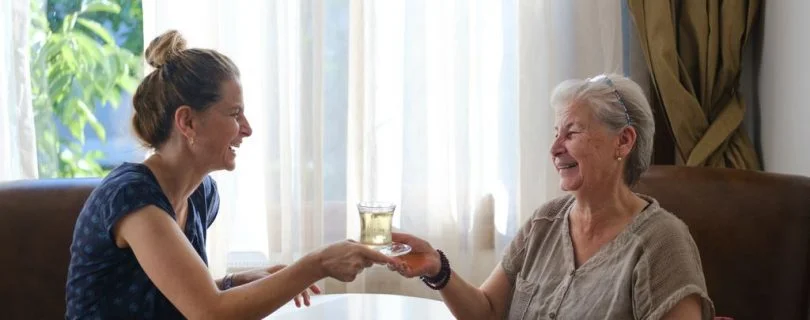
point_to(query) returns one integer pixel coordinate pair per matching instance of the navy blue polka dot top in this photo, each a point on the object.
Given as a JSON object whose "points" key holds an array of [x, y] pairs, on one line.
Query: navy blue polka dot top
{"points": [[106, 282]]}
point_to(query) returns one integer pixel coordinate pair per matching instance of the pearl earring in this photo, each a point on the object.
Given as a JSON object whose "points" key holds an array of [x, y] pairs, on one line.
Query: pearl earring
{"points": [[619, 158], [191, 141]]}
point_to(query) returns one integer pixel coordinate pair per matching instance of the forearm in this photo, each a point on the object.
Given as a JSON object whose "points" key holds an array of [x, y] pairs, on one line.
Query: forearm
{"points": [[261, 297], [466, 301]]}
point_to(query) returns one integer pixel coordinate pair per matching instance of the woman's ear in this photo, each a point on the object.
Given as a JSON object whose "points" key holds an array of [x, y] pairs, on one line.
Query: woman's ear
{"points": [[626, 141], [184, 121]]}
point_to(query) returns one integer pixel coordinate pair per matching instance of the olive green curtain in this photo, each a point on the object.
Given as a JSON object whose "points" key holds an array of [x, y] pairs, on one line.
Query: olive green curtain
{"points": [[693, 50]]}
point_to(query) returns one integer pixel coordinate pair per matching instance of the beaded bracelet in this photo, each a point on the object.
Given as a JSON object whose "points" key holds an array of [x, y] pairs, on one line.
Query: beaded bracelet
{"points": [[439, 281]]}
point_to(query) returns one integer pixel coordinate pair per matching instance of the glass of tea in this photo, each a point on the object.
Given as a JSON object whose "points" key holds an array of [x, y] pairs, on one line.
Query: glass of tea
{"points": [[375, 228]]}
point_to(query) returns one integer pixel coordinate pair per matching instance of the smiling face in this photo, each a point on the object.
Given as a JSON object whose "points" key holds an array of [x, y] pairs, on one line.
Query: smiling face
{"points": [[220, 129], [585, 151]]}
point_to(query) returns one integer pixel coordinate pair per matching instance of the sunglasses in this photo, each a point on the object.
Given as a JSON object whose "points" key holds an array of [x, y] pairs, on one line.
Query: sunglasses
{"points": [[605, 79]]}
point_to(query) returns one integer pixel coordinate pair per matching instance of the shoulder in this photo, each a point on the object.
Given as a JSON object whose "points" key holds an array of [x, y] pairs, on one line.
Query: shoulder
{"points": [[128, 179], [554, 209], [524, 245], [660, 225], [664, 238], [547, 216], [130, 173], [669, 266], [126, 188], [545, 220]]}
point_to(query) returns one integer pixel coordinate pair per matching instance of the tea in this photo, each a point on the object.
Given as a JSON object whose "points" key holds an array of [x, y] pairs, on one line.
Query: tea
{"points": [[375, 223], [375, 228]]}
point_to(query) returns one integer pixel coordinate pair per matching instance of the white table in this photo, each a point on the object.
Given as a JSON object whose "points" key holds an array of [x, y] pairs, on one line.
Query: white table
{"points": [[365, 307]]}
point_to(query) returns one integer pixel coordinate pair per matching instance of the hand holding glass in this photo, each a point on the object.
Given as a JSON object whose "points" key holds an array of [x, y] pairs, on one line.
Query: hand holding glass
{"points": [[375, 228]]}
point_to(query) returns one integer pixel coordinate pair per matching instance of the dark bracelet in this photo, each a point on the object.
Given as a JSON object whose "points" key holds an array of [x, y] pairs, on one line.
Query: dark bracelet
{"points": [[227, 281], [439, 281]]}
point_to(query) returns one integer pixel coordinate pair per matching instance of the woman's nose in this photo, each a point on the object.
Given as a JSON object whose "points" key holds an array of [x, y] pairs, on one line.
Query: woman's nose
{"points": [[556, 147], [245, 128]]}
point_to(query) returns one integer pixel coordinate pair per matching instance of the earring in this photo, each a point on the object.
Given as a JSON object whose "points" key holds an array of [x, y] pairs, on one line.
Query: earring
{"points": [[618, 158], [191, 141]]}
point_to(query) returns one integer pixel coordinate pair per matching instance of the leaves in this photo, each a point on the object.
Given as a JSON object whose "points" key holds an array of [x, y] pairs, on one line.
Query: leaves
{"points": [[91, 118], [100, 6], [58, 86], [69, 22], [77, 67], [88, 46], [98, 29], [128, 83]]}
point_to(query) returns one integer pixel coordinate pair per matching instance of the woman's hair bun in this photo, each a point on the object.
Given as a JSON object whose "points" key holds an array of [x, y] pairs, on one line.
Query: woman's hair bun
{"points": [[164, 47]]}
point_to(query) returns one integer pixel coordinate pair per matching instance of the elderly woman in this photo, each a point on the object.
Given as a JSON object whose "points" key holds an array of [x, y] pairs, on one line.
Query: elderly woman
{"points": [[600, 252], [139, 242]]}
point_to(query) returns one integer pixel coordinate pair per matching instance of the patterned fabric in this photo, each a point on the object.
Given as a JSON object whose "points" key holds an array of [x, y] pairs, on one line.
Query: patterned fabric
{"points": [[649, 267], [106, 282]]}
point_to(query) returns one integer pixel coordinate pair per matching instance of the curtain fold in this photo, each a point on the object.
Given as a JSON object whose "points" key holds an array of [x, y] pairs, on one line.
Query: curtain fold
{"points": [[18, 157], [694, 51]]}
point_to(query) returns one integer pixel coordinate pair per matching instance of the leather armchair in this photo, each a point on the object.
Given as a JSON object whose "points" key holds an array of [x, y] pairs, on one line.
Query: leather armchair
{"points": [[37, 219], [753, 233]]}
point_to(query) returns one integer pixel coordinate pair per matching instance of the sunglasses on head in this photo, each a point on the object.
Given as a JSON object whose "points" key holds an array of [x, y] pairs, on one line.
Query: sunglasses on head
{"points": [[605, 79]]}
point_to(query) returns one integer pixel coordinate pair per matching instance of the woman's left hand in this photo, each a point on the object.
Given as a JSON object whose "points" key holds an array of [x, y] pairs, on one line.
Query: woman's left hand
{"points": [[256, 274], [423, 260]]}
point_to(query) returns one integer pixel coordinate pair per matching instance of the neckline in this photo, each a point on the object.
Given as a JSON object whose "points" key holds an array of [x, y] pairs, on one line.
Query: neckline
{"points": [[603, 252], [189, 204]]}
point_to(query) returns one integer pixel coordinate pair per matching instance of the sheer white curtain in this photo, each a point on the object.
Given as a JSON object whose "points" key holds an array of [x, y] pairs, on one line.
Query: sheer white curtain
{"points": [[18, 157], [438, 106]]}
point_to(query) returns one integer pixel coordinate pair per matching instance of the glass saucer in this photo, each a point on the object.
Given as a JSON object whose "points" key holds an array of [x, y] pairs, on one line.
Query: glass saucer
{"points": [[395, 249]]}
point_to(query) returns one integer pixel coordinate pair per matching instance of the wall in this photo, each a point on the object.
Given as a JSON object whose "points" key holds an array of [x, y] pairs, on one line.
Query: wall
{"points": [[784, 86]]}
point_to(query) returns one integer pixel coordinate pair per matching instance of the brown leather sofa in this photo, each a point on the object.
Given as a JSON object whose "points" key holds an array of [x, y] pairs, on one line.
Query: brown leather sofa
{"points": [[37, 218], [753, 233], [752, 229]]}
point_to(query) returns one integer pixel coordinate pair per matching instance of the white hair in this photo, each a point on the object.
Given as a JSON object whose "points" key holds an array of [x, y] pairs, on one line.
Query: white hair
{"points": [[617, 102]]}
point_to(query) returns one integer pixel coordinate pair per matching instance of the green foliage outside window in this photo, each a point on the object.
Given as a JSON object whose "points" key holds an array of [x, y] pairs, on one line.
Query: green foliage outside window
{"points": [[84, 55]]}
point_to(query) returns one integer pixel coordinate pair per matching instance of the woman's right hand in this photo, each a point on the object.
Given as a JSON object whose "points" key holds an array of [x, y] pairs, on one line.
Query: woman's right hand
{"points": [[345, 260], [423, 260]]}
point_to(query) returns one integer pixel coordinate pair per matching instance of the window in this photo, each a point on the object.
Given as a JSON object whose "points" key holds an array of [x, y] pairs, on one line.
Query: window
{"points": [[85, 64], [248, 239]]}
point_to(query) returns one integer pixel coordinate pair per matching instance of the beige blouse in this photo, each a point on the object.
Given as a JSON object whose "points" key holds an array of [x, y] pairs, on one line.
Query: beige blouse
{"points": [[641, 274]]}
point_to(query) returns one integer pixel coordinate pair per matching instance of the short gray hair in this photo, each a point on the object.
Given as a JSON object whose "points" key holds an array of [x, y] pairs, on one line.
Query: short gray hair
{"points": [[608, 96]]}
